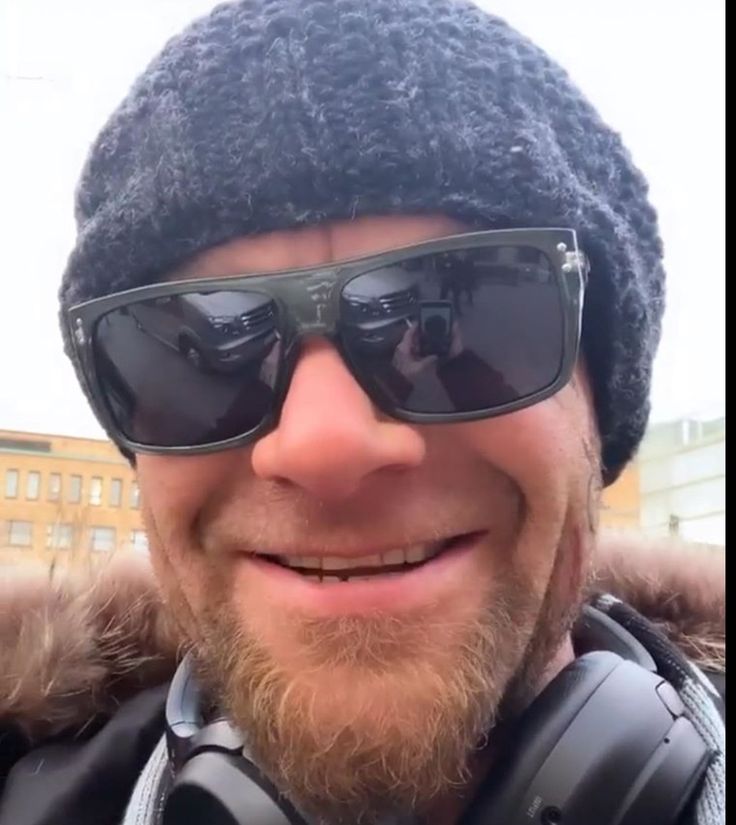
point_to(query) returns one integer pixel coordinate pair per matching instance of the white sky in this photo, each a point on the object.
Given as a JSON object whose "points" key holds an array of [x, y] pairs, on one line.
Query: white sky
{"points": [[655, 69]]}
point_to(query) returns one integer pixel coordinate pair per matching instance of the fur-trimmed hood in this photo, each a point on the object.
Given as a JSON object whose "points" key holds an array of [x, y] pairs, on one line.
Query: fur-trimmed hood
{"points": [[72, 650]]}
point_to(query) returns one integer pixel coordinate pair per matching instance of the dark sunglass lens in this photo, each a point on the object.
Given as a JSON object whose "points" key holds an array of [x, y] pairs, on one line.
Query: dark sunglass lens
{"points": [[456, 332], [189, 369]]}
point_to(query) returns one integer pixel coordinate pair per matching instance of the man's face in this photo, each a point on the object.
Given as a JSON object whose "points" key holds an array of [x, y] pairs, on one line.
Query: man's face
{"points": [[373, 692]]}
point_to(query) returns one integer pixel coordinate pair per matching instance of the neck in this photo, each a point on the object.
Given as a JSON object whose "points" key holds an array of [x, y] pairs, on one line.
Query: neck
{"points": [[449, 809]]}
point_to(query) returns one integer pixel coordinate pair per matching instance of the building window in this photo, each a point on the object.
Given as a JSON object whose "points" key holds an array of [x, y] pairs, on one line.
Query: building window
{"points": [[102, 538], [33, 485], [59, 536], [116, 492], [75, 489], [11, 484], [138, 541], [54, 486], [135, 496], [20, 533], [95, 491]]}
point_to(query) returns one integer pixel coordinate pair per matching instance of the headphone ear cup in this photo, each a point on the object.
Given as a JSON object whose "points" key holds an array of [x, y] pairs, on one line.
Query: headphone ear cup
{"points": [[215, 780], [221, 789], [605, 741]]}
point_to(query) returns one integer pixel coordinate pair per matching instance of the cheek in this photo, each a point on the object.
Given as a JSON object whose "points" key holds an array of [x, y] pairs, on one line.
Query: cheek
{"points": [[547, 449], [550, 453], [176, 489], [174, 492]]}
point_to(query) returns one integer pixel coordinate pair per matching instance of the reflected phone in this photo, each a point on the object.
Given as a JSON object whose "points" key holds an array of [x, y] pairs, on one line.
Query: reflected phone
{"points": [[435, 327]]}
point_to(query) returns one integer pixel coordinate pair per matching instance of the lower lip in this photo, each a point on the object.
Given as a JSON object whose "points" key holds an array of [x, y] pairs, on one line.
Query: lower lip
{"points": [[392, 593]]}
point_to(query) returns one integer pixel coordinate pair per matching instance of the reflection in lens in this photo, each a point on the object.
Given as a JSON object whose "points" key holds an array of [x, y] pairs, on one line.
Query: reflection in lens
{"points": [[456, 331], [191, 368]]}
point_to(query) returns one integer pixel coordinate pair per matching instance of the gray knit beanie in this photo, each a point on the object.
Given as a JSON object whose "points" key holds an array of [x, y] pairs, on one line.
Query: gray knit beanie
{"points": [[269, 114]]}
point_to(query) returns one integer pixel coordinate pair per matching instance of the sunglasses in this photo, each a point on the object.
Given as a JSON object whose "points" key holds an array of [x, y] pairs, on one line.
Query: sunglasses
{"points": [[455, 329]]}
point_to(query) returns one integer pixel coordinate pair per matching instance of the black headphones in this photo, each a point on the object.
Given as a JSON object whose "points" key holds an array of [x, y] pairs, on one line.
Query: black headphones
{"points": [[606, 742]]}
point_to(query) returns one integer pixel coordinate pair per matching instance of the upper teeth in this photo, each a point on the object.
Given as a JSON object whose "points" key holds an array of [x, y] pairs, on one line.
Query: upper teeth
{"points": [[410, 555]]}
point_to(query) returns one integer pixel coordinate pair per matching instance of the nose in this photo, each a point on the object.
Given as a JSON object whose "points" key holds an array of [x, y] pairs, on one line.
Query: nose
{"points": [[330, 438]]}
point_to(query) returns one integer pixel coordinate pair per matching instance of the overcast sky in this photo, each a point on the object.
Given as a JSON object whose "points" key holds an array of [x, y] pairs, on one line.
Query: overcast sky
{"points": [[654, 69]]}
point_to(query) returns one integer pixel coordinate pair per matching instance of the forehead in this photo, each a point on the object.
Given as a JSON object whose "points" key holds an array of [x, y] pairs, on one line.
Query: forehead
{"points": [[314, 245]]}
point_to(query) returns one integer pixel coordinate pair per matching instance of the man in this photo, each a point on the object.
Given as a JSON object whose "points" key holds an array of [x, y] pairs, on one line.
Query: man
{"points": [[375, 543]]}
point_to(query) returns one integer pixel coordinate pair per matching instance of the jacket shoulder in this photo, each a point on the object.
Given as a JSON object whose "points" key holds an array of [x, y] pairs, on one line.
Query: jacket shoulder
{"points": [[85, 777]]}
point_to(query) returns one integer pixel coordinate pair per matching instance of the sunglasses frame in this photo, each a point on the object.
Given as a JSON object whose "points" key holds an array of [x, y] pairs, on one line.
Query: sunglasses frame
{"points": [[308, 303]]}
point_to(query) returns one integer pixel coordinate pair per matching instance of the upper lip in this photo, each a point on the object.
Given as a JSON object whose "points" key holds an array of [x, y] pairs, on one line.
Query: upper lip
{"points": [[377, 549]]}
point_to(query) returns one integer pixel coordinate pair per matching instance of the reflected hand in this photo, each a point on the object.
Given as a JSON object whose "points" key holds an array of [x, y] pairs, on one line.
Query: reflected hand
{"points": [[270, 364], [456, 346], [406, 358]]}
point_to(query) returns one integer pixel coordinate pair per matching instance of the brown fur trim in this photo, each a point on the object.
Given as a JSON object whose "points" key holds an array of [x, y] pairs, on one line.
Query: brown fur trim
{"points": [[680, 587], [74, 649]]}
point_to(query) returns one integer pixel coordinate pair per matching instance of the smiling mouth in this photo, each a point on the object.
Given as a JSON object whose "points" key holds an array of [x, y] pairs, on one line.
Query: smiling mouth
{"points": [[333, 569]]}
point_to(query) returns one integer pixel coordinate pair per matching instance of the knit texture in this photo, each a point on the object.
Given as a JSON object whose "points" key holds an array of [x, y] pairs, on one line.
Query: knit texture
{"points": [[270, 114]]}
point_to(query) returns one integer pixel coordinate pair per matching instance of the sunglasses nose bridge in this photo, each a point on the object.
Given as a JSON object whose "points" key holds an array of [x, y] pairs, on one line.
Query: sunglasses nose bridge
{"points": [[312, 304]]}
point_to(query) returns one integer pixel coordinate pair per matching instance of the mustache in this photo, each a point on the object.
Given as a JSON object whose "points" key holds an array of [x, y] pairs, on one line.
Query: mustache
{"points": [[443, 500], [235, 534]]}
